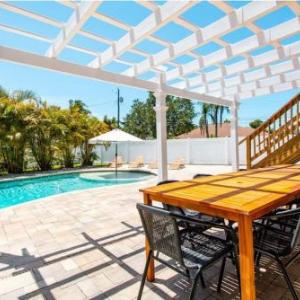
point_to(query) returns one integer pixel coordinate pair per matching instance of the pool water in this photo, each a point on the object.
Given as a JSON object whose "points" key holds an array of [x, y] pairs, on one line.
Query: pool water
{"points": [[24, 190]]}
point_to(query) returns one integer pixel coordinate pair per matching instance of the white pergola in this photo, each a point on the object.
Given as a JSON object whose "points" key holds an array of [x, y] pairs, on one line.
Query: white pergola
{"points": [[236, 70]]}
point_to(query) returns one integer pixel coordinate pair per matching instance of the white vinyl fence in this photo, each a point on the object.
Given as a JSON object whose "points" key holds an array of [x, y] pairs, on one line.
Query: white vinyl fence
{"points": [[212, 151]]}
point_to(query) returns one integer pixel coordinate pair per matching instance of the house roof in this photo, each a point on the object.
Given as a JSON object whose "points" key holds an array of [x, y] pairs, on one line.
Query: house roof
{"points": [[235, 50], [223, 131]]}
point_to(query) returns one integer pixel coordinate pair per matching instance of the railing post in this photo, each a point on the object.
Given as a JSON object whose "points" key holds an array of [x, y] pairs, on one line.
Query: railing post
{"points": [[248, 151], [234, 136]]}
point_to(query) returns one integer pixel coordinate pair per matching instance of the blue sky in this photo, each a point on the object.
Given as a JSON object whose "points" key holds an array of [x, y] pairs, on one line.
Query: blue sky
{"points": [[101, 97]]}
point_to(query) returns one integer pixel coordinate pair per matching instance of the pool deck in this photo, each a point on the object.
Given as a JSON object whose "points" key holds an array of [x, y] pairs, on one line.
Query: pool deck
{"points": [[89, 245]]}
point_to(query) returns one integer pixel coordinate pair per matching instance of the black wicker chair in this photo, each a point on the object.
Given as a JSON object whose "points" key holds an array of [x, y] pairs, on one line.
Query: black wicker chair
{"points": [[277, 236], [191, 256]]}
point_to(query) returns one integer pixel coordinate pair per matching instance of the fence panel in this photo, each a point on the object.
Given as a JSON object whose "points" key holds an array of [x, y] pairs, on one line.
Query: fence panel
{"points": [[193, 151]]}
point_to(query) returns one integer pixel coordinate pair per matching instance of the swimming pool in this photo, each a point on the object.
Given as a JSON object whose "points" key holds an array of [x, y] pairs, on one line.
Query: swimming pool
{"points": [[23, 190]]}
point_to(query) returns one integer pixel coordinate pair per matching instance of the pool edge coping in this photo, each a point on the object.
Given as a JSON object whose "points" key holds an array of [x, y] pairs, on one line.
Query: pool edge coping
{"points": [[12, 177]]}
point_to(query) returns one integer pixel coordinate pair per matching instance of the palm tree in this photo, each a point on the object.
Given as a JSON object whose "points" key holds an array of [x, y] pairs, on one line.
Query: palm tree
{"points": [[13, 121], [213, 113], [79, 106], [110, 122], [204, 117], [3, 93], [25, 95], [217, 113], [92, 127]]}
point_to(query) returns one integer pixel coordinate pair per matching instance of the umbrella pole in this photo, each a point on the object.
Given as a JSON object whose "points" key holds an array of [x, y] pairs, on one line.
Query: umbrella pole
{"points": [[116, 160]]}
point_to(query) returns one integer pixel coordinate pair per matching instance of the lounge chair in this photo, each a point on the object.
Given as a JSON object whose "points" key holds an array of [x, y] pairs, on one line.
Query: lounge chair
{"points": [[177, 164], [118, 162], [137, 163], [153, 165]]}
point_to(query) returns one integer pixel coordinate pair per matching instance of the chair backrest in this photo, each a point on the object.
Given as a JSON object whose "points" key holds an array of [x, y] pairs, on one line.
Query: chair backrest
{"points": [[167, 181], [288, 216], [200, 175], [296, 237], [161, 231], [171, 208]]}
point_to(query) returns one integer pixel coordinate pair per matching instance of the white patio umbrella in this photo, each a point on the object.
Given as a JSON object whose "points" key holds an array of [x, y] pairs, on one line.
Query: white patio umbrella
{"points": [[114, 136]]}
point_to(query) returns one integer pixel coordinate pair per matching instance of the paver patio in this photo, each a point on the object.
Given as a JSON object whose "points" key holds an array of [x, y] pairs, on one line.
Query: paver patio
{"points": [[89, 245]]}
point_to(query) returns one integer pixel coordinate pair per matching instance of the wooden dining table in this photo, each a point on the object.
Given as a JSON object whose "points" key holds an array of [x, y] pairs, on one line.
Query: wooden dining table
{"points": [[242, 197]]}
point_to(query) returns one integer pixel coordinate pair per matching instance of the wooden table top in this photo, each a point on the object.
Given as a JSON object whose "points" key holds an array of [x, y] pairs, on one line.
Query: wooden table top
{"points": [[251, 193]]}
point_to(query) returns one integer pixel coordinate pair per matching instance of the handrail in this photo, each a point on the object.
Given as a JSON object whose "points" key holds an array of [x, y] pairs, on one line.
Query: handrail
{"points": [[281, 111], [279, 129]]}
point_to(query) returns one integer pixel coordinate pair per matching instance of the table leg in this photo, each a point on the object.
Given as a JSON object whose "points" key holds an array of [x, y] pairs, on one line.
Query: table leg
{"points": [[151, 272], [246, 259]]}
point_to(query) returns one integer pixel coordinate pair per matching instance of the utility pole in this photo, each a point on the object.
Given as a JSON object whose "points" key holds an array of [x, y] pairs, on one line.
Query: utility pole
{"points": [[119, 100]]}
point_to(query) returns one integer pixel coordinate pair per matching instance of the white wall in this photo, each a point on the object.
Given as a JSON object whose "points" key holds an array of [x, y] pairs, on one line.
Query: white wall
{"points": [[212, 151]]}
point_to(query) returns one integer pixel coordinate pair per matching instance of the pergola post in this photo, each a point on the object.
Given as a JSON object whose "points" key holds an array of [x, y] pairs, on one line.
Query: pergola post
{"points": [[161, 134], [234, 136]]}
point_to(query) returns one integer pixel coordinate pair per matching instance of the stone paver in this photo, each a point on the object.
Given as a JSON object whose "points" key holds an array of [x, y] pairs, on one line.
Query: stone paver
{"points": [[89, 245]]}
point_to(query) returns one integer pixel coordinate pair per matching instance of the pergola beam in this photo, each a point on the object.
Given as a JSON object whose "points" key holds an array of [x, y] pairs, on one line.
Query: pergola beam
{"points": [[75, 22], [34, 60]]}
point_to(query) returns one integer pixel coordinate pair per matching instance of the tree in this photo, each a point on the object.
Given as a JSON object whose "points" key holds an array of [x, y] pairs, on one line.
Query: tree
{"points": [[255, 123], [3, 92], [92, 127], [79, 106], [140, 120], [25, 95], [33, 131], [15, 111], [180, 115], [45, 129], [217, 113], [204, 118], [211, 113], [71, 134], [13, 121], [112, 123]]}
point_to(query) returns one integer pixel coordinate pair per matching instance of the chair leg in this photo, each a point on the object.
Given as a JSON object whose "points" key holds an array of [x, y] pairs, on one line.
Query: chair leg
{"points": [[257, 260], [287, 278], [237, 266], [202, 280], [221, 274], [144, 276], [193, 290]]}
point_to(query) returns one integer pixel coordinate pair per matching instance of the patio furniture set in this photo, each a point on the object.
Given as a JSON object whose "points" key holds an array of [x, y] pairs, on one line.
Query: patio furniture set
{"points": [[255, 213]]}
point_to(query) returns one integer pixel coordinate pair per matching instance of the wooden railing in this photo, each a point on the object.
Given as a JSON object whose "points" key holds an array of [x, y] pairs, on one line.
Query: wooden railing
{"points": [[268, 140]]}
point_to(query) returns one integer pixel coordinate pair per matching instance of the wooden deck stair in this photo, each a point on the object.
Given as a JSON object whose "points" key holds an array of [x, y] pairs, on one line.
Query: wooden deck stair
{"points": [[277, 140]]}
